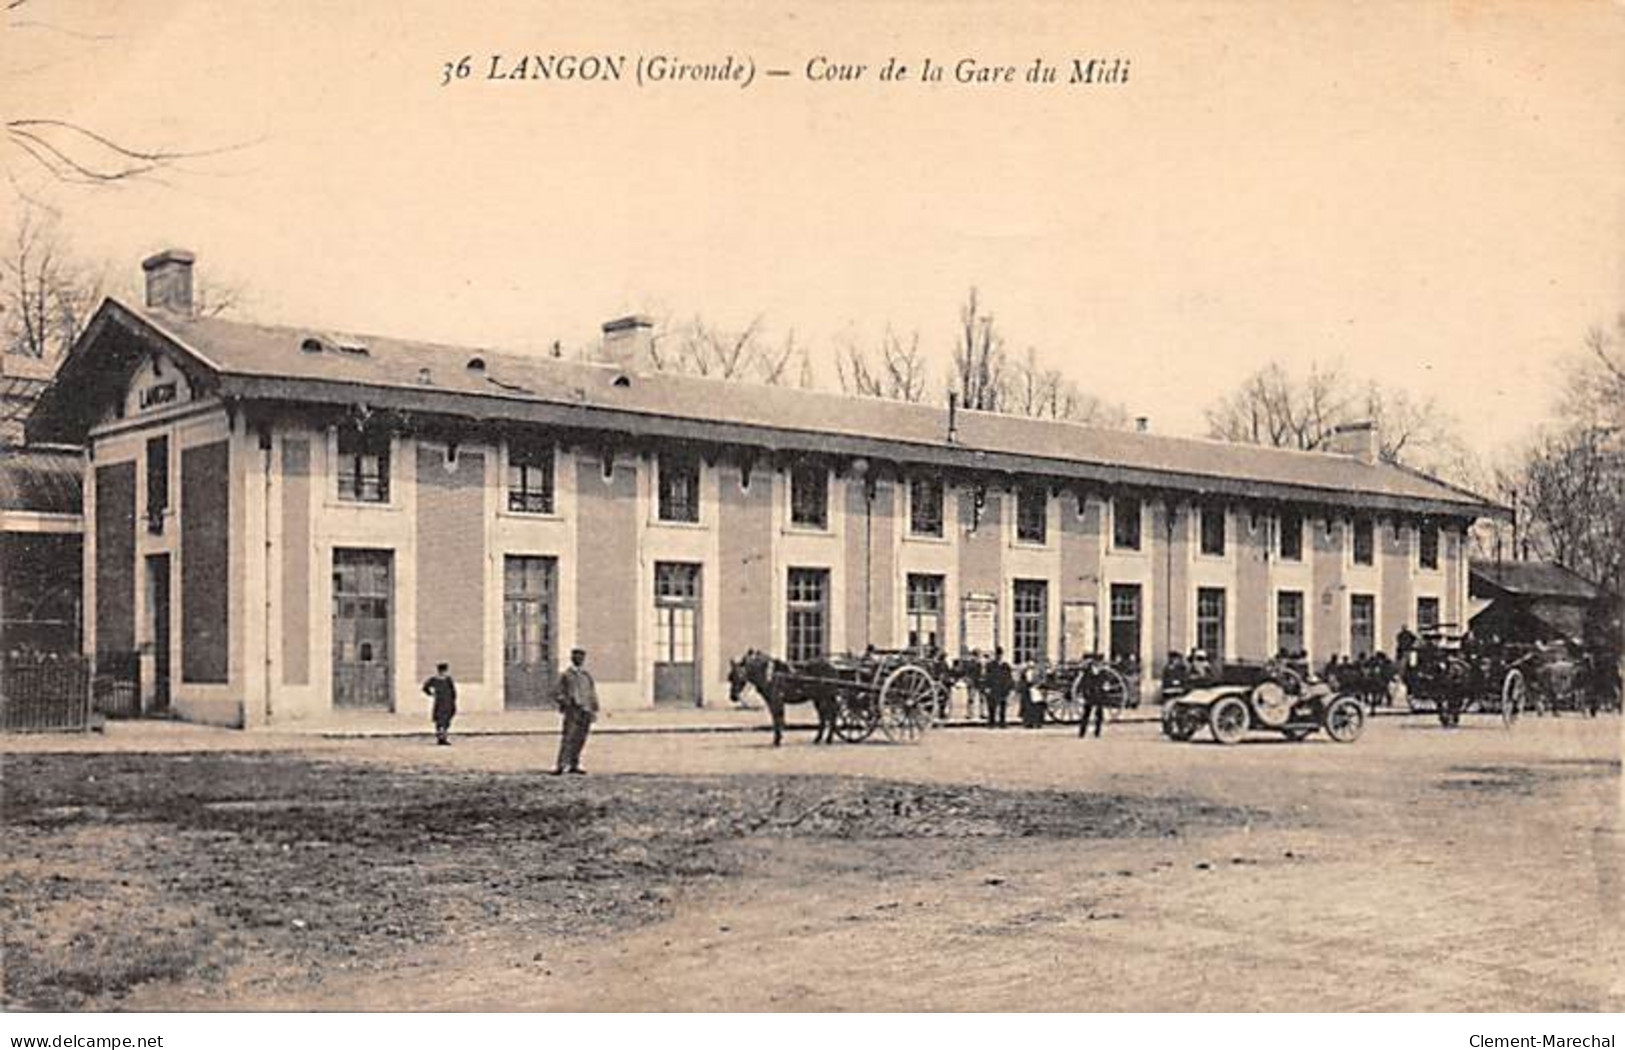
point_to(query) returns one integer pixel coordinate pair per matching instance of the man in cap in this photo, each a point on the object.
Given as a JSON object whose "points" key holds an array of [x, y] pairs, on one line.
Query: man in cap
{"points": [[578, 700]]}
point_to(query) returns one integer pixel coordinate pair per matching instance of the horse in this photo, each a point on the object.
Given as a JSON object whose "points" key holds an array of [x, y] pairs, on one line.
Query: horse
{"points": [[778, 685]]}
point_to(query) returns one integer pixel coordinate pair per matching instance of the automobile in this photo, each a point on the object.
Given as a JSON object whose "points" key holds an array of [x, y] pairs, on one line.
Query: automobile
{"points": [[1272, 697]]}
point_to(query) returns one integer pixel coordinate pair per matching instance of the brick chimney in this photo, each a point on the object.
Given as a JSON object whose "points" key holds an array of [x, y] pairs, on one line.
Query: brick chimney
{"points": [[1355, 439], [629, 342], [169, 281]]}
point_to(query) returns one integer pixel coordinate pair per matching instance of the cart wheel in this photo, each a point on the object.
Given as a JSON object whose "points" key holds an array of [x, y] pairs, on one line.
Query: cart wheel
{"points": [[1228, 718], [854, 718], [1514, 692], [1115, 693], [1065, 708], [907, 704], [1345, 720]]}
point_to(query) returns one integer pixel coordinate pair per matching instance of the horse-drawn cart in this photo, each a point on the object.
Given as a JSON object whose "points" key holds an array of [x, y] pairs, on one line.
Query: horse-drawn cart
{"points": [[1068, 687], [898, 693], [1456, 674]]}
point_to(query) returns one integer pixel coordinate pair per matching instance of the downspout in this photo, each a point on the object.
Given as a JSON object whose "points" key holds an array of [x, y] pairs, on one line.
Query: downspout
{"points": [[1168, 574], [868, 561], [265, 449]]}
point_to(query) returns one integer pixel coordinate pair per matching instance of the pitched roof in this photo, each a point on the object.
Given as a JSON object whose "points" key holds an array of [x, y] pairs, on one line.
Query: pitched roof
{"points": [[263, 361], [1532, 579], [41, 481]]}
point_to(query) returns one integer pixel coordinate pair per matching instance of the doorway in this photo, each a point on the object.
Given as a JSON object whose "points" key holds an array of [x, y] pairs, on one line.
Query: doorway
{"points": [[529, 663], [362, 666], [677, 633], [158, 607]]}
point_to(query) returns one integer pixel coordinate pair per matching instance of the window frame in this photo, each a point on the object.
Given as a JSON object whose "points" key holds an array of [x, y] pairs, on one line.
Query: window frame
{"points": [[1206, 621], [1302, 630], [1025, 516], [1207, 514], [1366, 600], [1117, 502], [349, 465], [806, 471], [1281, 520], [1135, 591], [916, 614], [158, 510], [516, 457], [1367, 526], [795, 633], [1438, 612], [1029, 622], [1424, 531], [671, 468], [914, 504]]}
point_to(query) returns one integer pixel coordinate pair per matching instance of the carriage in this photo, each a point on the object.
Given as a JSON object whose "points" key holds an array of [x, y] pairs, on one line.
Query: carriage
{"points": [[899, 693], [1068, 687], [1455, 674]]}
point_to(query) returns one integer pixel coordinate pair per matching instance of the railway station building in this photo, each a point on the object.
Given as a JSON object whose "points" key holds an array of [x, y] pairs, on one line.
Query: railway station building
{"points": [[283, 523]]}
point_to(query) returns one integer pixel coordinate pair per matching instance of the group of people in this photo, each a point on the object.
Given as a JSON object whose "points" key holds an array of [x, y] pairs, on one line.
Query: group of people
{"points": [[577, 697], [994, 680]]}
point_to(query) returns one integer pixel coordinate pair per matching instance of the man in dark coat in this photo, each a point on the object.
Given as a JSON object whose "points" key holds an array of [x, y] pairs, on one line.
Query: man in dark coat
{"points": [[1094, 700], [444, 691], [578, 701], [999, 682], [1404, 642]]}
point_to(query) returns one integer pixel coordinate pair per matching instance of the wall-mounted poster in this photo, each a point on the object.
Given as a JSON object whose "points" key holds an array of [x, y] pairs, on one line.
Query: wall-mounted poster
{"points": [[980, 619], [1079, 629]]}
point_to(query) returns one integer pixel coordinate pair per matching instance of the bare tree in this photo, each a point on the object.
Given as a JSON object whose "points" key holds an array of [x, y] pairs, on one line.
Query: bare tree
{"points": [[899, 374], [1033, 390], [979, 360], [46, 295], [1275, 407], [1574, 495], [1596, 387]]}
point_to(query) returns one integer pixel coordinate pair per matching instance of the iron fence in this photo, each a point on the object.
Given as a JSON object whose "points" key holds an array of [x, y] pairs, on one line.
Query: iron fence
{"points": [[44, 692]]}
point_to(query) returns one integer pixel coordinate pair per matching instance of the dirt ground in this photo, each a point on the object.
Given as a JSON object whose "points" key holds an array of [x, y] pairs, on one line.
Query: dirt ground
{"points": [[1418, 869]]}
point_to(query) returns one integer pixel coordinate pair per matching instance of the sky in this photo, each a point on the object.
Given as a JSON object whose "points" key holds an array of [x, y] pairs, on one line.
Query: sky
{"points": [[1431, 194]]}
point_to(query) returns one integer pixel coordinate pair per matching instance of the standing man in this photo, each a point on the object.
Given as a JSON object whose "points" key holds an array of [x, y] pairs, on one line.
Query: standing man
{"points": [[578, 700], [1000, 680], [444, 690], [1094, 702], [1404, 642]]}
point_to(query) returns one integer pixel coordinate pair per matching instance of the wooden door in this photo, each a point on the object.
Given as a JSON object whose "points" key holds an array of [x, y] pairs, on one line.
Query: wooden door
{"points": [[677, 633], [530, 665], [362, 668], [158, 582]]}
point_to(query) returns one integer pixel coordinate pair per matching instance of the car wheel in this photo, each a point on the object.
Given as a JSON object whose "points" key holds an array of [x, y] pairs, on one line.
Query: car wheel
{"points": [[1228, 717], [1176, 725], [1345, 720]]}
